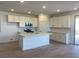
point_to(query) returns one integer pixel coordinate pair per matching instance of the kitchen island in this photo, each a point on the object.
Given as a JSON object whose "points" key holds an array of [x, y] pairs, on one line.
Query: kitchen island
{"points": [[33, 40]]}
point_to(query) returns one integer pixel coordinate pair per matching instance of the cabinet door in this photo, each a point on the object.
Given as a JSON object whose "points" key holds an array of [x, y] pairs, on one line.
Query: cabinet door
{"points": [[17, 18], [11, 18], [22, 19], [61, 21], [64, 21], [55, 22], [60, 37]]}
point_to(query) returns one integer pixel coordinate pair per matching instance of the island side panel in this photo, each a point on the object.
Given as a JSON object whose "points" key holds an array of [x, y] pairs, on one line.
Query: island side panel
{"points": [[35, 41]]}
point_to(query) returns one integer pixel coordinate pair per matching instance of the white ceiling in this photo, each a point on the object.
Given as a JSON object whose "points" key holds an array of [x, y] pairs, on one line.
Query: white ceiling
{"points": [[36, 6]]}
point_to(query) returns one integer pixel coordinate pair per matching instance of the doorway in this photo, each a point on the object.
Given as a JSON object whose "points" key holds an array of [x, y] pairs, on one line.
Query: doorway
{"points": [[77, 30]]}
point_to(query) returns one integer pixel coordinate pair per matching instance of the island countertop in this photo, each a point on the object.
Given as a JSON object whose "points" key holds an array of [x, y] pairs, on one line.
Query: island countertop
{"points": [[35, 33]]}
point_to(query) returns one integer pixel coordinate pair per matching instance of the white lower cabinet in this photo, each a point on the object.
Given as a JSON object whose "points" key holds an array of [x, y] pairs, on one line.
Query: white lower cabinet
{"points": [[61, 37]]}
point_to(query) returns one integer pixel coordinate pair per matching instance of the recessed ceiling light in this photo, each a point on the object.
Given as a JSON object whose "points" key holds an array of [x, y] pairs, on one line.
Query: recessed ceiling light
{"points": [[75, 8], [43, 6], [12, 9], [58, 10], [29, 12], [22, 1]]}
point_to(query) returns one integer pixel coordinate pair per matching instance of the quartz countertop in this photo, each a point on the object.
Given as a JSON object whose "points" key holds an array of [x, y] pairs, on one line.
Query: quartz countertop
{"points": [[32, 34], [60, 29]]}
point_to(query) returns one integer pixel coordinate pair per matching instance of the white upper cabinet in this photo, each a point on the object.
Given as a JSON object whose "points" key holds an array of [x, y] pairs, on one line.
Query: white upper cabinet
{"points": [[11, 18], [17, 18], [60, 21], [23, 19]]}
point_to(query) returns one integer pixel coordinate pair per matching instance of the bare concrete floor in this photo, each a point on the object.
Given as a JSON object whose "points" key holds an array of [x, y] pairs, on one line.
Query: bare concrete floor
{"points": [[54, 50]]}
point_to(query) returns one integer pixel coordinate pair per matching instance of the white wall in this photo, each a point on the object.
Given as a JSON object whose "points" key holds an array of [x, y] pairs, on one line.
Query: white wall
{"points": [[8, 30], [44, 23]]}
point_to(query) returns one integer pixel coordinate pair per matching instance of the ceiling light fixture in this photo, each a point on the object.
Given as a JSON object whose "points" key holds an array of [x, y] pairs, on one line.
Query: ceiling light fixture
{"points": [[22, 1], [75, 8], [29, 12], [58, 10], [12, 9], [43, 6]]}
